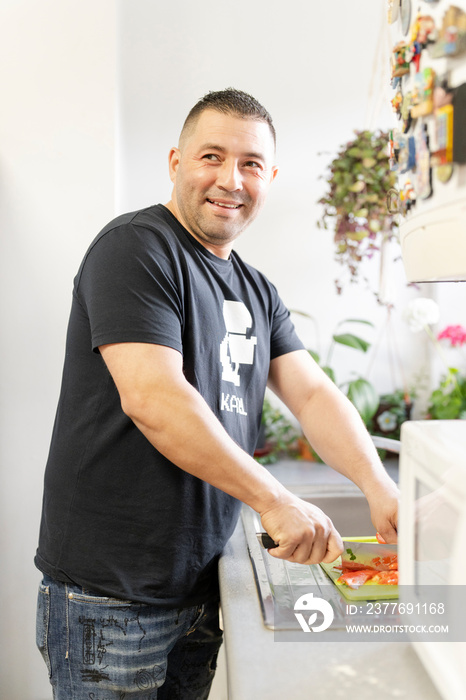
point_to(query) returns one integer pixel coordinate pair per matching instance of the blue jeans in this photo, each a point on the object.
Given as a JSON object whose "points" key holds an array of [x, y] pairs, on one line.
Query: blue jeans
{"points": [[99, 648]]}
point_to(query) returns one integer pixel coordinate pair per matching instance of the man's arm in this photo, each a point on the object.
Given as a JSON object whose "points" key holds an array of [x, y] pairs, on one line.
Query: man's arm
{"points": [[337, 433], [174, 417]]}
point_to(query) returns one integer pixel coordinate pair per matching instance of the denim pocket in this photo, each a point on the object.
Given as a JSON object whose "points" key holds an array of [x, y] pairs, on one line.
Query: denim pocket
{"points": [[42, 624], [199, 619], [96, 599]]}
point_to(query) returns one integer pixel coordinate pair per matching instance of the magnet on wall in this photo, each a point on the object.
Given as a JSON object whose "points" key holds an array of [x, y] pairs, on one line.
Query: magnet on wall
{"points": [[443, 94], [393, 201], [397, 101], [405, 15], [406, 115], [423, 30], [423, 93], [444, 172], [400, 62], [407, 197], [406, 153], [459, 121], [451, 39], [423, 169], [443, 147], [393, 10]]}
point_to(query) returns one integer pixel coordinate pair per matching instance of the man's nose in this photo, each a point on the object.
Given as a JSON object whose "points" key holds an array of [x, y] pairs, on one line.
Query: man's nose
{"points": [[229, 177]]}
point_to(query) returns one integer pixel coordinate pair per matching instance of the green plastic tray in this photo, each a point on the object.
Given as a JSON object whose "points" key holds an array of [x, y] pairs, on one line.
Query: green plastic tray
{"points": [[368, 591]]}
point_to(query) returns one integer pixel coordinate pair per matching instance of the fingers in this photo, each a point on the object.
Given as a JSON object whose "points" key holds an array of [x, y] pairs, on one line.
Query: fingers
{"points": [[319, 542], [387, 525], [388, 534]]}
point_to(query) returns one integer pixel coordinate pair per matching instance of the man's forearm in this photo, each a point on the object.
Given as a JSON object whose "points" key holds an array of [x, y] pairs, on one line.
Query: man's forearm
{"points": [[177, 421], [336, 431], [187, 433]]}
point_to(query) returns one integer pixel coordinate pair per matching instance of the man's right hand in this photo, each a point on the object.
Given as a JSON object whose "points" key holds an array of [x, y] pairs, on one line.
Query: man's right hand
{"points": [[304, 533]]}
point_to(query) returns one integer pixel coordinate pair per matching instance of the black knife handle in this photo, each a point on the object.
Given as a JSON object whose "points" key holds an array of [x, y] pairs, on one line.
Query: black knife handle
{"points": [[266, 541]]}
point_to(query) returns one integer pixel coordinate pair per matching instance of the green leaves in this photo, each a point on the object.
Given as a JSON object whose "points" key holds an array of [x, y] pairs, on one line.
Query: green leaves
{"points": [[448, 401], [358, 182], [362, 394], [352, 341]]}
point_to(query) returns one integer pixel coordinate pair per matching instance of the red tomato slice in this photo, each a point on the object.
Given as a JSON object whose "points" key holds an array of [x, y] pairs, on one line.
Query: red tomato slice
{"points": [[355, 579], [386, 578]]}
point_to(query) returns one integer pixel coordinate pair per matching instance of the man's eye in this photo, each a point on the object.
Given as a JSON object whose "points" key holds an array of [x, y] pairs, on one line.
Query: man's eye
{"points": [[210, 156], [253, 164]]}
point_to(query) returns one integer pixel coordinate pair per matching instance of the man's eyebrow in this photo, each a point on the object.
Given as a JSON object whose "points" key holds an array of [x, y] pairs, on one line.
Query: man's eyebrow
{"points": [[216, 147]]}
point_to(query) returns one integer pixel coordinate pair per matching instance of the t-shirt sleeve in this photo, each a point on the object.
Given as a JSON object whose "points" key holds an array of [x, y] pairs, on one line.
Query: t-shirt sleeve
{"points": [[283, 338], [130, 287]]}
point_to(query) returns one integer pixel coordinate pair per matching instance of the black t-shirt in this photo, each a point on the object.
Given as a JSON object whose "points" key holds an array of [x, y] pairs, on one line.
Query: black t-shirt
{"points": [[118, 517]]}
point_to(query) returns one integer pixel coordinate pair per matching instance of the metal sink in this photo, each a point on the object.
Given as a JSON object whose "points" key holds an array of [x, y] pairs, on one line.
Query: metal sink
{"points": [[346, 507], [280, 583]]}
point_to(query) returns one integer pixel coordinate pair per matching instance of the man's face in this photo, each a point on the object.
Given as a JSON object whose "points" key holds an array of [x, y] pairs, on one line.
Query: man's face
{"points": [[221, 172]]}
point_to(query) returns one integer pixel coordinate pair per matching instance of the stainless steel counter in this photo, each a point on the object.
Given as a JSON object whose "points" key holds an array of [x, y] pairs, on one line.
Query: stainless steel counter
{"points": [[261, 663]]}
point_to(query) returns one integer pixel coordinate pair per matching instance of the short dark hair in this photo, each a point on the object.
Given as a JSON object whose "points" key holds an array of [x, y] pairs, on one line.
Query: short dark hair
{"points": [[230, 101]]}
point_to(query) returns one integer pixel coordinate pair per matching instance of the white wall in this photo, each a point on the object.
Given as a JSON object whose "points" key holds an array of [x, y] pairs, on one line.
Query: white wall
{"points": [[312, 66], [290, 57], [56, 191], [58, 160]]}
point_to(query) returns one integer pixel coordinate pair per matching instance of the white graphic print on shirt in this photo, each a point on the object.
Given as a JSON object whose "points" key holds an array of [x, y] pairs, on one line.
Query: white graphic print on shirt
{"points": [[235, 350]]}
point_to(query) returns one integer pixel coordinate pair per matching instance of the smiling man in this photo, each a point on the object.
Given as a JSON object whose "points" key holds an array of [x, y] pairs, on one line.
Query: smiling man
{"points": [[171, 342], [222, 172]]}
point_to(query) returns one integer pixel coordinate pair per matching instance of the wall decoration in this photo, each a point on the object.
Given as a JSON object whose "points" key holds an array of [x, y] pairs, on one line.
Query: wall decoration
{"points": [[401, 151], [443, 94], [443, 173], [423, 169], [423, 33], [405, 15], [430, 106], [400, 61], [452, 34], [405, 111], [423, 30], [407, 197], [397, 101], [443, 147], [423, 93], [406, 153], [393, 10]]}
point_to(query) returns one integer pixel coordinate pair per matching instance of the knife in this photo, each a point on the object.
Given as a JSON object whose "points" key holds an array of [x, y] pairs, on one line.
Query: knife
{"points": [[266, 541], [369, 555]]}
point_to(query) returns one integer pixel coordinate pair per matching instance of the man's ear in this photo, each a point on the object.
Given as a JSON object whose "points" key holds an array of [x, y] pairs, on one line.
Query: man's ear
{"points": [[274, 173], [173, 161]]}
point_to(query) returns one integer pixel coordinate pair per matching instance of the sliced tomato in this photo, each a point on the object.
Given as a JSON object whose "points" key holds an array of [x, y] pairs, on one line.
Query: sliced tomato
{"points": [[355, 579], [386, 578]]}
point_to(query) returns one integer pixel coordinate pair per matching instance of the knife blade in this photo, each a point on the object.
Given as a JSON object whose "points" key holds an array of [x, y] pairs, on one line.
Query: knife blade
{"points": [[369, 555]]}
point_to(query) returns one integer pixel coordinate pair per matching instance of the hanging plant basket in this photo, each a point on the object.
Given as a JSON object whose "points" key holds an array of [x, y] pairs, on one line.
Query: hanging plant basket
{"points": [[355, 205]]}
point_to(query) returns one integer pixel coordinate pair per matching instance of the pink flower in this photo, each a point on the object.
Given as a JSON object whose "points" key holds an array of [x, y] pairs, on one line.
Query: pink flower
{"points": [[455, 334]]}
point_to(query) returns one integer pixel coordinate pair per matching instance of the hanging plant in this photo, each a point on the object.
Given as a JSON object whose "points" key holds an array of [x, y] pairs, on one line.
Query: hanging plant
{"points": [[359, 181]]}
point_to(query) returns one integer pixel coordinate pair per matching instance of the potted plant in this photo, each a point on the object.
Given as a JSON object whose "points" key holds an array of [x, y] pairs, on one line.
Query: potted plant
{"points": [[448, 400], [359, 390], [278, 436], [358, 184]]}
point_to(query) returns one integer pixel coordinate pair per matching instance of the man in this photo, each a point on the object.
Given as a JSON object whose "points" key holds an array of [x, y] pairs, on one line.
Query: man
{"points": [[171, 342]]}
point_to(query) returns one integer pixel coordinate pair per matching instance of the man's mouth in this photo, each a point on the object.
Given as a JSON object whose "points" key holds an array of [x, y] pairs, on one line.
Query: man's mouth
{"points": [[225, 205]]}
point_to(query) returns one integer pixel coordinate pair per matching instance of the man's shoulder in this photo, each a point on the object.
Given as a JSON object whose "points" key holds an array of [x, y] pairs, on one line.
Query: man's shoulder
{"points": [[155, 217], [145, 228]]}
